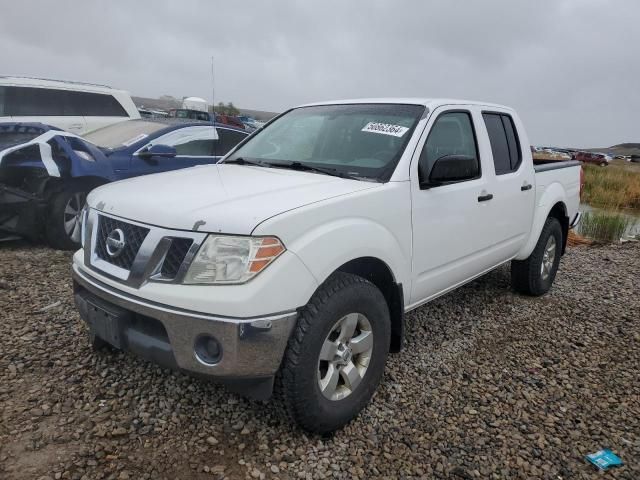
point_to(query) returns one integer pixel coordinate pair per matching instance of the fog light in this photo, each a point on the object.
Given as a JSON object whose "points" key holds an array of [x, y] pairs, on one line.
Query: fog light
{"points": [[207, 350]]}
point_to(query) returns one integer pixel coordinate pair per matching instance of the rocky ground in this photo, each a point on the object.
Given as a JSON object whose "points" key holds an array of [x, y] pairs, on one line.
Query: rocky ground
{"points": [[490, 385]]}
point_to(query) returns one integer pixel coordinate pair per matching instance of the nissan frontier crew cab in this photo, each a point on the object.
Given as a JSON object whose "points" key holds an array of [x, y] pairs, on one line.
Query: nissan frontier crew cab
{"points": [[289, 267]]}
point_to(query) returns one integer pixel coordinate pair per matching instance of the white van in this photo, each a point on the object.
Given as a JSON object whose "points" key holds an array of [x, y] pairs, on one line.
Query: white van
{"points": [[72, 106]]}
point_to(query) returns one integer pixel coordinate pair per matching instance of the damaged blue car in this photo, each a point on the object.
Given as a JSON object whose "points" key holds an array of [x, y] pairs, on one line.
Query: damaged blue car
{"points": [[46, 173]]}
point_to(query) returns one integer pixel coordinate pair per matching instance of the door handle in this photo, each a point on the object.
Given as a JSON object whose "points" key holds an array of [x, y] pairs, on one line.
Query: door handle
{"points": [[485, 198], [525, 187]]}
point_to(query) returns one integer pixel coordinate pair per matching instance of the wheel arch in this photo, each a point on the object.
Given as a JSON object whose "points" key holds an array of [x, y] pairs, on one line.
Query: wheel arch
{"points": [[559, 212], [552, 204], [380, 274], [86, 183]]}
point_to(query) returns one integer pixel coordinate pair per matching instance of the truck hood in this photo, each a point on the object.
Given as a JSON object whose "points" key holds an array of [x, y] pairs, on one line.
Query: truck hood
{"points": [[218, 198]]}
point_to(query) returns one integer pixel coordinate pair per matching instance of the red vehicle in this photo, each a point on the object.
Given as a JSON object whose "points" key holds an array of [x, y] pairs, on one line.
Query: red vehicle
{"points": [[588, 157], [230, 120]]}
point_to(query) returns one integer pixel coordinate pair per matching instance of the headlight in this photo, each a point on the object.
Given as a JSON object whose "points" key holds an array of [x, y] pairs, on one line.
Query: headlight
{"points": [[224, 259]]}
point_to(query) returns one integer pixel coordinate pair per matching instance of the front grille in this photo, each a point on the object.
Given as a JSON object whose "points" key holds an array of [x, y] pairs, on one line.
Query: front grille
{"points": [[134, 235], [175, 256]]}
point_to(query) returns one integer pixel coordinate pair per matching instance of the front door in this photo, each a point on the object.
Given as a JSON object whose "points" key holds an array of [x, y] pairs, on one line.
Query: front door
{"points": [[451, 221]]}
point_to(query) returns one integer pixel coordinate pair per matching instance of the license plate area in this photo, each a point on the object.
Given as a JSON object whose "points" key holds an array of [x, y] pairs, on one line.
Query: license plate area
{"points": [[107, 322]]}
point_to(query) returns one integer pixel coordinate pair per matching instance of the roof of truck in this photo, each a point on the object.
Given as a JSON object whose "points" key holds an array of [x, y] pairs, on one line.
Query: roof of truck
{"points": [[427, 102], [52, 83]]}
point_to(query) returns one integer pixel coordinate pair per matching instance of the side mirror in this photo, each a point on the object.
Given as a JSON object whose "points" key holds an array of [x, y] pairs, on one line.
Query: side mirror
{"points": [[165, 151], [452, 168]]}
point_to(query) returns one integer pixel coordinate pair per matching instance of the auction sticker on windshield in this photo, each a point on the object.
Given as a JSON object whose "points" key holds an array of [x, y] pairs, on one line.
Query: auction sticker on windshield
{"points": [[385, 129]]}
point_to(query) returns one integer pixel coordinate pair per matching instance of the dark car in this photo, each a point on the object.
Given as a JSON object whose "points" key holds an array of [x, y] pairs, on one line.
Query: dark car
{"points": [[635, 158], [46, 174], [186, 113]]}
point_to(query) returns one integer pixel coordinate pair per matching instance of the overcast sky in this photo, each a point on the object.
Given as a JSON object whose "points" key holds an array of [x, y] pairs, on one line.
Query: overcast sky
{"points": [[570, 67]]}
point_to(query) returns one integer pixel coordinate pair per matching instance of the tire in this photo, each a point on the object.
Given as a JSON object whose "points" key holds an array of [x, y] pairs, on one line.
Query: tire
{"points": [[63, 207], [342, 300], [603, 164], [531, 276]]}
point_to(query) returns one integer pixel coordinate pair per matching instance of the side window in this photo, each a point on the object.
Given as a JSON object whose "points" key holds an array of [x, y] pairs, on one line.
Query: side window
{"points": [[505, 145], [451, 135], [96, 105], [31, 101], [228, 140], [191, 141]]}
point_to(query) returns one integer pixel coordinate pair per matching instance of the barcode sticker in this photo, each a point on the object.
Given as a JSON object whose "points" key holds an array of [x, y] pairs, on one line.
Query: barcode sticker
{"points": [[385, 129]]}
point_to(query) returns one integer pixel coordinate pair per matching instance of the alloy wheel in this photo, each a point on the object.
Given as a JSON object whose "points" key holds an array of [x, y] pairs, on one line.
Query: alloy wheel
{"points": [[344, 356]]}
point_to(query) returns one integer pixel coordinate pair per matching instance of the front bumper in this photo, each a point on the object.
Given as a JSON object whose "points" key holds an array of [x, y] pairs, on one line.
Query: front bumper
{"points": [[251, 348]]}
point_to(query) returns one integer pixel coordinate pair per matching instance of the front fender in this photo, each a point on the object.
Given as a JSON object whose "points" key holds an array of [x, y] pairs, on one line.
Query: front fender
{"points": [[328, 246], [553, 194]]}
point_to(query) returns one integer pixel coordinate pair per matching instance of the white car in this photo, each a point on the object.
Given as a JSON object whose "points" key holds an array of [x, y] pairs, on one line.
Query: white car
{"points": [[71, 106], [291, 264]]}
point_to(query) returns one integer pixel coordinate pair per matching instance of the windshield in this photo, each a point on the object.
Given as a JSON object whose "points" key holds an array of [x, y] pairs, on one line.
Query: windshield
{"points": [[362, 140], [123, 134]]}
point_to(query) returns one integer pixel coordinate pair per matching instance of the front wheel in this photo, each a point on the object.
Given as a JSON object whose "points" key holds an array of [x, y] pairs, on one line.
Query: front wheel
{"points": [[534, 276], [62, 228], [336, 355]]}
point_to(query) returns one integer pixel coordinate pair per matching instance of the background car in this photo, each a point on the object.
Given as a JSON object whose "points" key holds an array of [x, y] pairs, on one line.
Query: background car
{"points": [[595, 158], [230, 120], [249, 122], [72, 106], [186, 113], [42, 194]]}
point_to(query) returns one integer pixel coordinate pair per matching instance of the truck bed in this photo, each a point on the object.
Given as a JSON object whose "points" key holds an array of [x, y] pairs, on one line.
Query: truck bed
{"points": [[546, 165]]}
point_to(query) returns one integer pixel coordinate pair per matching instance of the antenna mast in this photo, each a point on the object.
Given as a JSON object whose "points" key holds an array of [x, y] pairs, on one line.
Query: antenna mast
{"points": [[213, 92]]}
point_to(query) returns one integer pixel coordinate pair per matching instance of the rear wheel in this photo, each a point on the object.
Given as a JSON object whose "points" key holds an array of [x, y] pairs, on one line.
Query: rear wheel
{"points": [[535, 275], [62, 228], [336, 355]]}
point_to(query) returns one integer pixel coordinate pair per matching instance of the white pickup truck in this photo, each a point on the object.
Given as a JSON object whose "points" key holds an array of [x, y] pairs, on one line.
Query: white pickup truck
{"points": [[289, 267]]}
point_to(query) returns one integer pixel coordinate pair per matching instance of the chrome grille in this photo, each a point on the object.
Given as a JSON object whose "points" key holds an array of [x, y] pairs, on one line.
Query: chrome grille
{"points": [[175, 256], [134, 236]]}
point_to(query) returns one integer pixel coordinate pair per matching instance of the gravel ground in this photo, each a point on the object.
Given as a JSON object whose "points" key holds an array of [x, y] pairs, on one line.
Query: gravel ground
{"points": [[490, 385]]}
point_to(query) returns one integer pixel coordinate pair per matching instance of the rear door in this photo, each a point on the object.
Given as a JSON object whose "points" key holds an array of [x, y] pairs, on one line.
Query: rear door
{"points": [[513, 183], [452, 222]]}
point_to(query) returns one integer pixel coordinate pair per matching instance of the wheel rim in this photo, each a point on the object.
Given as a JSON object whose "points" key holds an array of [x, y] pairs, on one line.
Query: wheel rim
{"points": [[71, 219], [344, 357], [548, 258]]}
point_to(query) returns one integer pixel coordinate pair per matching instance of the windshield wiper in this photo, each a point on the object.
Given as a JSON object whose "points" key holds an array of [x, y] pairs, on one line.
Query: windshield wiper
{"points": [[244, 161], [303, 167]]}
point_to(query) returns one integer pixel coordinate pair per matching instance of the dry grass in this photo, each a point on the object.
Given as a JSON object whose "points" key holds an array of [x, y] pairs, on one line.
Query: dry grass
{"points": [[614, 187]]}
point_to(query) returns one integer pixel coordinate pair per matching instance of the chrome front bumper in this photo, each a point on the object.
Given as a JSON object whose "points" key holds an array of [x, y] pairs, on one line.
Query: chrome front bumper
{"points": [[252, 348]]}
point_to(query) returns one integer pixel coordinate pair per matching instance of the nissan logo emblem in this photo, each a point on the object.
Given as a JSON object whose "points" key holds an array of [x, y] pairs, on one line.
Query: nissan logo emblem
{"points": [[115, 242]]}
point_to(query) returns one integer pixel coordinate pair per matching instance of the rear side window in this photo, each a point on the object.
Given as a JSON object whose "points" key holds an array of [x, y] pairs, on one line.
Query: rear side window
{"points": [[96, 105], [228, 140], [505, 144], [49, 102]]}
